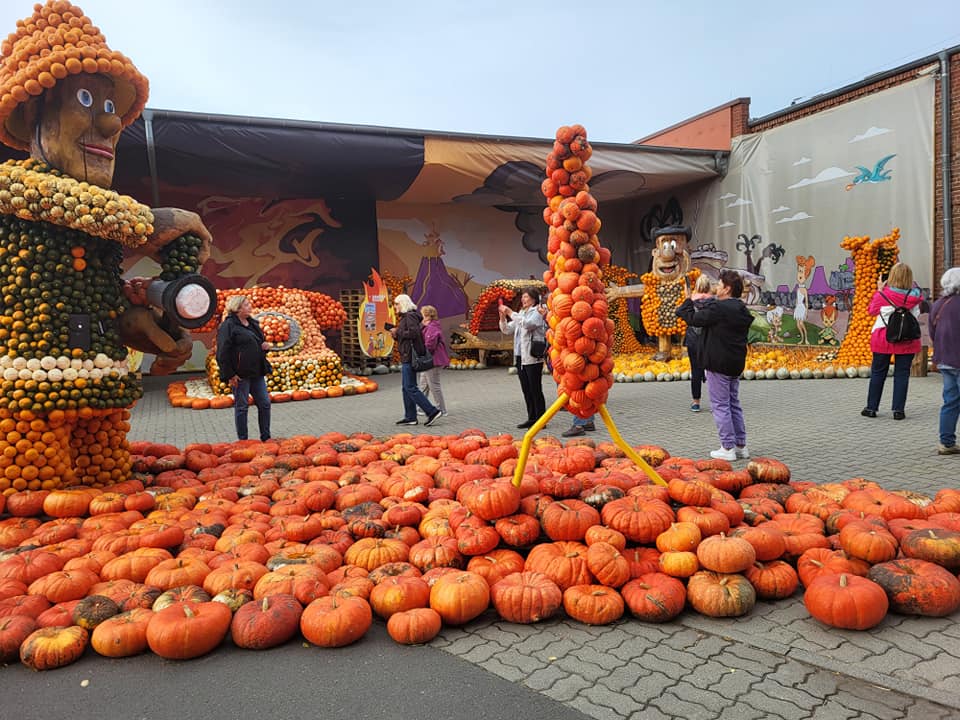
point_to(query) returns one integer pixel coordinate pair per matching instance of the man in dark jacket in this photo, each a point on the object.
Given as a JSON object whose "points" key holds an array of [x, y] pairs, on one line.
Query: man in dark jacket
{"points": [[723, 353]]}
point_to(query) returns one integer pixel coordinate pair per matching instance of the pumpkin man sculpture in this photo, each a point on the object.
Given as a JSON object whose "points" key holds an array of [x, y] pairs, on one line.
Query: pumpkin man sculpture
{"points": [[65, 96], [662, 289]]}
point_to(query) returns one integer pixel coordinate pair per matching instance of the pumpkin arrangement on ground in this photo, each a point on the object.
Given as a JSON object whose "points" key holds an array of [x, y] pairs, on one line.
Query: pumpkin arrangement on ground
{"points": [[315, 536]]}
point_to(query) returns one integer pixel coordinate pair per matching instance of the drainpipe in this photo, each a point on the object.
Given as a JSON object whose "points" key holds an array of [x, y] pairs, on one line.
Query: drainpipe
{"points": [[946, 159], [151, 155]]}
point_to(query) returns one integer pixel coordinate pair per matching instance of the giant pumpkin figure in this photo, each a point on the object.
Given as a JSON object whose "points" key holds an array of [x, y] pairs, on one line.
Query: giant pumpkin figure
{"points": [[65, 96], [662, 289]]}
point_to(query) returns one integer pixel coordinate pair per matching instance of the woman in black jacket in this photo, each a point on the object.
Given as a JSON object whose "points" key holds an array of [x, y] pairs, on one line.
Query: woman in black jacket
{"points": [[409, 336], [242, 358], [723, 353]]}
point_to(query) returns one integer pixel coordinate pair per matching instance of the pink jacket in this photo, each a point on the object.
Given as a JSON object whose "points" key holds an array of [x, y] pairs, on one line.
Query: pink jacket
{"points": [[882, 309], [433, 339]]}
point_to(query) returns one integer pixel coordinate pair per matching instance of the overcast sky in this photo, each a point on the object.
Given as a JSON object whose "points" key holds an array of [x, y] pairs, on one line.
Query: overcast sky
{"points": [[623, 69]]}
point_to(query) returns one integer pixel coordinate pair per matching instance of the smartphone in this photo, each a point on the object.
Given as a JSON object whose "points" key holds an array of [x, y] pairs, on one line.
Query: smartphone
{"points": [[388, 326]]}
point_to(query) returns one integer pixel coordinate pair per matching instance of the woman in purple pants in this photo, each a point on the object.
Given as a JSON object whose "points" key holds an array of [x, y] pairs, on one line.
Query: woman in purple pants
{"points": [[723, 353]]}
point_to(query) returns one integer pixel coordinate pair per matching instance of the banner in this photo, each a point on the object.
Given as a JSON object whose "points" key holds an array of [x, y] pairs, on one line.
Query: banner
{"points": [[376, 311]]}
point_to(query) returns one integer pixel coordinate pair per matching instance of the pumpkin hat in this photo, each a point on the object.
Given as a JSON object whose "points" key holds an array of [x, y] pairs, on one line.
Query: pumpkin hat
{"points": [[58, 40]]}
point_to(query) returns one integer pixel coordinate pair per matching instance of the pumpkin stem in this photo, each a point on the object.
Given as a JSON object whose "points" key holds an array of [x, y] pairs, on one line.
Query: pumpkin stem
{"points": [[843, 581], [265, 605], [187, 611]]}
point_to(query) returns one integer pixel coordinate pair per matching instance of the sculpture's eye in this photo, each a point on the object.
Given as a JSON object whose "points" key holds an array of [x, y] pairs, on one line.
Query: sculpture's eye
{"points": [[85, 97], [108, 107]]}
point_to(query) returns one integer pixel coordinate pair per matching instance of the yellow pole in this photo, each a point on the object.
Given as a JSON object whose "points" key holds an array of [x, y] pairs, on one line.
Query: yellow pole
{"points": [[629, 451], [532, 433]]}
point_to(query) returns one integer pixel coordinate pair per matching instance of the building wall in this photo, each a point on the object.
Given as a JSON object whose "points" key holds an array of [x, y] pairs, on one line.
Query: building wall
{"points": [[711, 131]]}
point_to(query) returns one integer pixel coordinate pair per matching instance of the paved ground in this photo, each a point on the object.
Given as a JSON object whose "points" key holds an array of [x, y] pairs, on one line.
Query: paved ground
{"points": [[777, 662]]}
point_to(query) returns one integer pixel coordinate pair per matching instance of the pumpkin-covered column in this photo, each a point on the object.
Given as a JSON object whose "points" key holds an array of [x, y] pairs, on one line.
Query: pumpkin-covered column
{"points": [[65, 96]]}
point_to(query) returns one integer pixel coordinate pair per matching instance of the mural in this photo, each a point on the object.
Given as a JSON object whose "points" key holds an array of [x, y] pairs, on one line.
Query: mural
{"points": [[796, 191]]}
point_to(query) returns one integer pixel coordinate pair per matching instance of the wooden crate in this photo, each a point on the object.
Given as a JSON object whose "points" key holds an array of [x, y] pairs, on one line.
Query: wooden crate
{"points": [[350, 351]]}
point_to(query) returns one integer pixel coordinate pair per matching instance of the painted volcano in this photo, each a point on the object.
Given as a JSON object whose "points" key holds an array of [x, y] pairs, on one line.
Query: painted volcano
{"points": [[435, 286]]}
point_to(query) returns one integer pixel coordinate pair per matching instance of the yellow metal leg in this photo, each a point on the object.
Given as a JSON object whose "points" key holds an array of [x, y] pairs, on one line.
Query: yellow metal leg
{"points": [[532, 433], [629, 451]]}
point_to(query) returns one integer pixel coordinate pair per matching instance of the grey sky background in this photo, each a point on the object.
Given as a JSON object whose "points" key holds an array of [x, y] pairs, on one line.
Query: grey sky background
{"points": [[623, 69]]}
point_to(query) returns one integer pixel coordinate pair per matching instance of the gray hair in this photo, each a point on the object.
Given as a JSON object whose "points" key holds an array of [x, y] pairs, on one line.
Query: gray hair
{"points": [[950, 282], [404, 303]]}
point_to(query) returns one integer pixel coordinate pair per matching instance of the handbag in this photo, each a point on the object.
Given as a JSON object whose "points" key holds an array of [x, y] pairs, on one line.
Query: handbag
{"points": [[421, 360]]}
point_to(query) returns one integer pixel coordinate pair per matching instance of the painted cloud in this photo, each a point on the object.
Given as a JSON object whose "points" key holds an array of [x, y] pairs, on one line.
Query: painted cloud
{"points": [[826, 175], [803, 161], [793, 218], [782, 208], [725, 225], [727, 196], [738, 202], [872, 132]]}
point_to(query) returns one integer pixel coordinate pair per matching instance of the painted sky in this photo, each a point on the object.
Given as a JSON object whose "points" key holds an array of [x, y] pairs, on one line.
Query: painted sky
{"points": [[623, 68]]}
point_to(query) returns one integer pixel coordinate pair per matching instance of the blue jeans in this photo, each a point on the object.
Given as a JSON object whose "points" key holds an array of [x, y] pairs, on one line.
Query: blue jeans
{"points": [[580, 422], [950, 411], [412, 395], [256, 386], [901, 379]]}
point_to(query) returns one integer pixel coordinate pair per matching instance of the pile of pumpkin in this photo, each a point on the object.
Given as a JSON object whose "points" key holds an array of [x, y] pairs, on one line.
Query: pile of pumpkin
{"points": [[484, 315], [580, 332], [319, 535]]}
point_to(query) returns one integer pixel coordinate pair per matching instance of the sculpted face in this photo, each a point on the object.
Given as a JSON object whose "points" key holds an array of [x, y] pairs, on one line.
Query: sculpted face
{"points": [[77, 128], [671, 257]]}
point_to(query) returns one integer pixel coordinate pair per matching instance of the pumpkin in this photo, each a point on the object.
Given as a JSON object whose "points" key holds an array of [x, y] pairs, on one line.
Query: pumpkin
{"points": [[53, 647], [414, 627], [601, 533], [846, 601], [370, 553], [182, 594], [563, 561], [568, 519], [726, 554], [13, 631], [267, 623], [59, 615], [242, 575], [607, 564], [867, 542], [767, 540], [496, 565], [393, 570], [476, 540], [177, 572], [436, 551], [593, 604], [720, 595], [768, 470], [93, 610], [937, 546], [709, 521], [519, 530], [654, 597], [526, 597], [188, 629], [61, 586], [122, 635], [679, 537], [459, 597], [772, 580], [678, 563], [640, 520], [917, 587], [336, 621], [824, 561], [233, 598], [397, 594]]}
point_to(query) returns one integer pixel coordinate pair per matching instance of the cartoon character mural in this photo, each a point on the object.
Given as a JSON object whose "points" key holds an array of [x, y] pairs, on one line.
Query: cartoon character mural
{"points": [[775, 321], [662, 289], [828, 316], [805, 267]]}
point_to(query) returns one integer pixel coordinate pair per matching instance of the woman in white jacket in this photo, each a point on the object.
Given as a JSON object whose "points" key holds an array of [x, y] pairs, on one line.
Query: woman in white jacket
{"points": [[529, 347]]}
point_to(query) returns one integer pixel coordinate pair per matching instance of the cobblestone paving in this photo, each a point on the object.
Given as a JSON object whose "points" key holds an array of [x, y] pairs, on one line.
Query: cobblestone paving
{"points": [[775, 663]]}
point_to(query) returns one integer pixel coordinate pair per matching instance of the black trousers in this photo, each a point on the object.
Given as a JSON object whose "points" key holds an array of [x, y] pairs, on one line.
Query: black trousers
{"points": [[531, 377]]}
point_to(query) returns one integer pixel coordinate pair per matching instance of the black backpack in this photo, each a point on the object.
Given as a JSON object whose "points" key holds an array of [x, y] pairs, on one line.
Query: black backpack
{"points": [[902, 326]]}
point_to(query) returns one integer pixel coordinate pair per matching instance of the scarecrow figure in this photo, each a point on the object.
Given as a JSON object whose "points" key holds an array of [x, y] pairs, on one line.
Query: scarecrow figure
{"points": [[662, 289], [65, 97]]}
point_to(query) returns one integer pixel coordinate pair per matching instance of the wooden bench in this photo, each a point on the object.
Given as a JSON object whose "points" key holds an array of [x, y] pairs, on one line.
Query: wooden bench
{"points": [[472, 342]]}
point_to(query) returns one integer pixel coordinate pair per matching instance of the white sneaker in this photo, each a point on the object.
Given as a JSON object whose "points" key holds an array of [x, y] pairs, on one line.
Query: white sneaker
{"points": [[724, 454], [742, 453]]}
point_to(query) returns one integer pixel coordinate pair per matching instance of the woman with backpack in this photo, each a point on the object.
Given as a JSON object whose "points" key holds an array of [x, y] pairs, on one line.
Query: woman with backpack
{"points": [[895, 335]]}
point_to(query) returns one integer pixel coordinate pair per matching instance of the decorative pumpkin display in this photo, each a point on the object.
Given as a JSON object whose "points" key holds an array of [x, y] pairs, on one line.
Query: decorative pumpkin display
{"points": [[654, 597], [53, 647], [846, 601], [93, 610], [917, 587], [13, 631], [266, 623], [122, 635], [397, 594], [937, 546], [459, 597], [414, 627], [772, 580], [593, 604], [335, 621], [726, 554], [187, 630]]}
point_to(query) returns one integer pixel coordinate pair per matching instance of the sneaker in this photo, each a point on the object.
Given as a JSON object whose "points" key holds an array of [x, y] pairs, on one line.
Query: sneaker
{"points": [[433, 418], [694, 407], [948, 450], [742, 453], [421, 413], [404, 421], [724, 454], [444, 413], [574, 431]]}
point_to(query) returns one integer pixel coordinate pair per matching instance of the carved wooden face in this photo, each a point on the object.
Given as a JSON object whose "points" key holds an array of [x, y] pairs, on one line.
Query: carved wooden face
{"points": [[76, 128], [671, 256]]}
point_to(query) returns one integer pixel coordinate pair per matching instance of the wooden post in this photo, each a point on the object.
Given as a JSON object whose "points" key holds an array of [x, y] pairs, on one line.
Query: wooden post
{"points": [[919, 366]]}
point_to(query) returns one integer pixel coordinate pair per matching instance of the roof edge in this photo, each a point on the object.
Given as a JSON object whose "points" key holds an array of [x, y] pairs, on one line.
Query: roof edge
{"points": [[869, 80], [729, 103]]}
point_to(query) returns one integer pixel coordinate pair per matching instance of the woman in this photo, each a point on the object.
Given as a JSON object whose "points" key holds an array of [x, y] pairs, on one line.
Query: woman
{"points": [[429, 380], [898, 292], [242, 357], [528, 327], [722, 354], [409, 339], [691, 339], [944, 326]]}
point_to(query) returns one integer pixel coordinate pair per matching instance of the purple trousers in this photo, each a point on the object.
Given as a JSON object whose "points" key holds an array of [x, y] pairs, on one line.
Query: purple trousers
{"points": [[725, 405]]}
